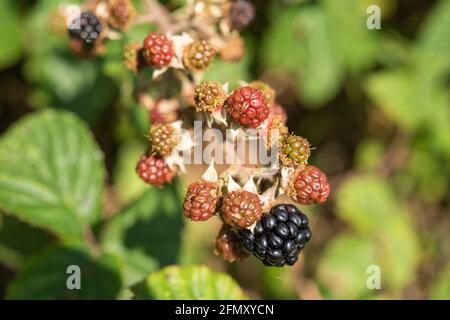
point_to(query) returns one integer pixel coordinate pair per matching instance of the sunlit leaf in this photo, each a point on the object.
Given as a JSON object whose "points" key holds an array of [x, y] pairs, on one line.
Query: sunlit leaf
{"points": [[188, 282], [51, 173]]}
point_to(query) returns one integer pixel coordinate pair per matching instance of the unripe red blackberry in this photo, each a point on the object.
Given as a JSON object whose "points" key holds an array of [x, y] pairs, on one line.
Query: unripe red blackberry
{"points": [[200, 202], [278, 237], [309, 185], [198, 55], [233, 50], [121, 13], [228, 245], [209, 96], [163, 139], [154, 170], [86, 28], [247, 106], [241, 208], [269, 92], [157, 50], [294, 150], [241, 13]]}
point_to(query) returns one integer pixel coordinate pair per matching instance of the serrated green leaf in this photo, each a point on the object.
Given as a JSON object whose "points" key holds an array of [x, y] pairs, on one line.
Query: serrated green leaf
{"points": [[440, 287], [343, 266], [147, 234], [45, 276], [10, 34], [190, 283], [19, 240], [51, 173]]}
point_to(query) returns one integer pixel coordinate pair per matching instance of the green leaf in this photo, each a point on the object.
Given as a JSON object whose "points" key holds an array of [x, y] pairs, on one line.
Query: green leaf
{"points": [[399, 252], [279, 283], [231, 72], [356, 45], [369, 153], [51, 173], [147, 234], [188, 283], [343, 266], [366, 202], [395, 93], [440, 288], [370, 205], [138, 32], [66, 81], [415, 96], [45, 276], [434, 35], [10, 34], [19, 240], [300, 43]]}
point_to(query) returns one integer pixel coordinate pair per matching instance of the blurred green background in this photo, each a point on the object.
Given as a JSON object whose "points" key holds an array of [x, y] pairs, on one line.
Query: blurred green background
{"points": [[375, 104]]}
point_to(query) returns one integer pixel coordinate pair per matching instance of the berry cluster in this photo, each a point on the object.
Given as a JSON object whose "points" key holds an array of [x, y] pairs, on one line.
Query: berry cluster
{"points": [[185, 42], [178, 54], [277, 234]]}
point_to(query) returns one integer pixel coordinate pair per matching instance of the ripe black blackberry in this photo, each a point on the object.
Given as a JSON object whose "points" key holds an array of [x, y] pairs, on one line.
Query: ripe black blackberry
{"points": [[86, 28], [278, 237]]}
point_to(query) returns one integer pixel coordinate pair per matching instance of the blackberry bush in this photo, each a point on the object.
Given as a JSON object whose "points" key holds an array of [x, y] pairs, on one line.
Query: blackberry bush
{"points": [[106, 111], [169, 81]]}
